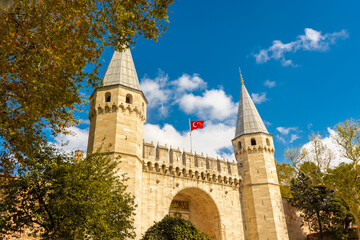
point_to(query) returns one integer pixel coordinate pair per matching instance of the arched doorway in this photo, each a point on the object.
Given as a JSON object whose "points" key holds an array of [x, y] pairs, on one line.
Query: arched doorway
{"points": [[199, 208]]}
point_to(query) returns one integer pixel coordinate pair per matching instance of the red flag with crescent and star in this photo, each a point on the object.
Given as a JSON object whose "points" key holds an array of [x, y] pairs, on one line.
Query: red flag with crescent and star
{"points": [[196, 124]]}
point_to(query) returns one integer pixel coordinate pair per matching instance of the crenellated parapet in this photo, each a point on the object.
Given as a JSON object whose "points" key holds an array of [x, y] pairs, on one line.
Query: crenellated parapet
{"points": [[174, 162], [254, 149], [108, 107]]}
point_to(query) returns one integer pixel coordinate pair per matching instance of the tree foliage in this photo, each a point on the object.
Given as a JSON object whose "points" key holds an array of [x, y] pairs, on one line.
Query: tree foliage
{"points": [[55, 196], [285, 173], [174, 228], [44, 48], [321, 208], [343, 179]]}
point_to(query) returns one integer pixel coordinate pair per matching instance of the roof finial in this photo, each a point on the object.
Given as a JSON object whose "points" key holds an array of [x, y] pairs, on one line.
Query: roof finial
{"points": [[241, 78]]}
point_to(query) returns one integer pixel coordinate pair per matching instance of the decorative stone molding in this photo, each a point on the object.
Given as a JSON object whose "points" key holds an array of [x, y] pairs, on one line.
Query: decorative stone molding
{"points": [[173, 162], [107, 108]]}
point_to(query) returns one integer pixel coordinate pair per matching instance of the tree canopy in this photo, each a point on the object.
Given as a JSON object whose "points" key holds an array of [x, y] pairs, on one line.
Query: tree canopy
{"points": [[174, 228], [44, 48], [55, 196], [344, 179], [285, 173], [321, 208]]}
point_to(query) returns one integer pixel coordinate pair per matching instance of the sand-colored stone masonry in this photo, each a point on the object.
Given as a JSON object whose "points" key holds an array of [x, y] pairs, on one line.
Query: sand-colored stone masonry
{"points": [[211, 185], [262, 200], [117, 116], [297, 227], [186, 164], [117, 125]]}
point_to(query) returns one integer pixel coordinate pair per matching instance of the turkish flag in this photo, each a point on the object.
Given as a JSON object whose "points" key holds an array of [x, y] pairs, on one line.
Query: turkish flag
{"points": [[196, 124]]}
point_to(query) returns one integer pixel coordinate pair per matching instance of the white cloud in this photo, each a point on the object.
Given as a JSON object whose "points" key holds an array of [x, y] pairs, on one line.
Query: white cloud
{"points": [[270, 84], [294, 137], [267, 123], [284, 134], [85, 121], [189, 83], [78, 140], [312, 41], [162, 93], [259, 97], [262, 56], [285, 131], [281, 139], [335, 149], [156, 91], [220, 135], [213, 104]]}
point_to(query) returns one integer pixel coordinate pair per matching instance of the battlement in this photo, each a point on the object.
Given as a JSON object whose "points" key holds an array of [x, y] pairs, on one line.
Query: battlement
{"points": [[254, 149], [171, 161], [108, 107]]}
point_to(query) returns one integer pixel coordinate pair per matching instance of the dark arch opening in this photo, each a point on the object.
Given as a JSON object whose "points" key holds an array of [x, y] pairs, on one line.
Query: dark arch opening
{"points": [[129, 99], [107, 97], [253, 142]]}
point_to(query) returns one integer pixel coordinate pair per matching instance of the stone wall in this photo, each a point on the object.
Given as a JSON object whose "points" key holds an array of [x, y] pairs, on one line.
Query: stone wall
{"points": [[294, 222], [212, 186], [185, 164]]}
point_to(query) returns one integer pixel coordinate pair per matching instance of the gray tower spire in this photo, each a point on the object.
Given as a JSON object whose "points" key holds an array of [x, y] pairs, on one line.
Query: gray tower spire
{"points": [[248, 120], [121, 70]]}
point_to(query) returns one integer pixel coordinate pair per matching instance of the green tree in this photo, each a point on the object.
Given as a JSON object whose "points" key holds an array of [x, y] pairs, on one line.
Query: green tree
{"points": [[320, 207], [285, 173], [174, 228], [44, 48], [55, 196], [344, 179]]}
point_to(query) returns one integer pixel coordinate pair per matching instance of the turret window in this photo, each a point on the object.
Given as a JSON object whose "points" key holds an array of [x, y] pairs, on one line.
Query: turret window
{"points": [[253, 142], [107, 97], [129, 99], [239, 144], [267, 142]]}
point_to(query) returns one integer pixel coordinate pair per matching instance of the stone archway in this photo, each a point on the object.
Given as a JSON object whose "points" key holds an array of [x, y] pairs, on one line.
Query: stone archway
{"points": [[199, 208]]}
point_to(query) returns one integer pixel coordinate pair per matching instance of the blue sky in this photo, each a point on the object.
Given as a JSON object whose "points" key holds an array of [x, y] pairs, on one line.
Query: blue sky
{"points": [[299, 59]]}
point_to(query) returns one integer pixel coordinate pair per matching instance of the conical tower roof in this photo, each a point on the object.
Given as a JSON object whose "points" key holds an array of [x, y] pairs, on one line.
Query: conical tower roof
{"points": [[248, 120], [121, 70]]}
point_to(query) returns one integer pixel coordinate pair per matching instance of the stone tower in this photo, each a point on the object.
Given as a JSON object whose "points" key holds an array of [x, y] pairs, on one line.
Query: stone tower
{"points": [[117, 116], [254, 151]]}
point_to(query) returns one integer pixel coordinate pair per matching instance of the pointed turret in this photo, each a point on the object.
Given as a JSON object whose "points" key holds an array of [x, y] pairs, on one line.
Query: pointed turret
{"points": [[121, 70], [254, 151], [248, 120]]}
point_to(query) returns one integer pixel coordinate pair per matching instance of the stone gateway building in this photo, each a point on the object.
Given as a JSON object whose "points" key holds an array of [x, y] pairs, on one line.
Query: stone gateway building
{"points": [[226, 200]]}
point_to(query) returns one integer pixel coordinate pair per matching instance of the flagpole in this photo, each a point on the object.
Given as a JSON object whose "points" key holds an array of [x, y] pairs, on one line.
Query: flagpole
{"points": [[190, 136]]}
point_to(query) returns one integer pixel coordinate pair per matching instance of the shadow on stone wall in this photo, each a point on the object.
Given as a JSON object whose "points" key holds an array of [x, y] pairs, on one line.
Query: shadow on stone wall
{"points": [[331, 236], [298, 229], [294, 222]]}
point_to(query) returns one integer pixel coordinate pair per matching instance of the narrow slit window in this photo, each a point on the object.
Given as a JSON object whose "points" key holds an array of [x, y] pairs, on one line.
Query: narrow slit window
{"points": [[253, 142], [107, 97]]}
